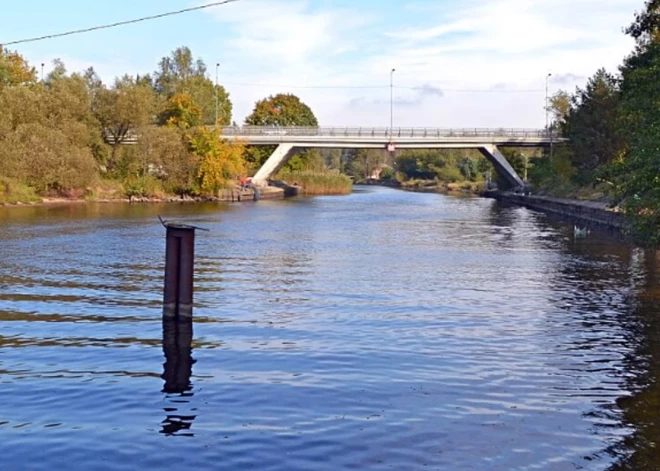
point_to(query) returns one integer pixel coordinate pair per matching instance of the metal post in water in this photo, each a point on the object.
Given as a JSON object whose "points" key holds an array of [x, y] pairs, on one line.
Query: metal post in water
{"points": [[179, 271]]}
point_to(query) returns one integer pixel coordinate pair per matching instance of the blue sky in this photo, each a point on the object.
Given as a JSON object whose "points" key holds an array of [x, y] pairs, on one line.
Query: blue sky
{"points": [[470, 63]]}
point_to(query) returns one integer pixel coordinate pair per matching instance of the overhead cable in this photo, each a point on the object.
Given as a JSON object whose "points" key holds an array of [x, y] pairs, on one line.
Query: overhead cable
{"points": [[399, 87], [120, 23]]}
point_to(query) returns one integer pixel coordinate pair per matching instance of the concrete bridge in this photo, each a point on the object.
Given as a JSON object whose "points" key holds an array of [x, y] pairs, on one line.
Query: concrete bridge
{"points": [[290, 139]]}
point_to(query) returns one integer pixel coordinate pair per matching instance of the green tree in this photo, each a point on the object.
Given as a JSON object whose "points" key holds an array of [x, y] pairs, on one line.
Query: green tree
{"points": [[280, 110], [592, 126], [180, 73], [646, 27], [122, 111], [636, 174]]}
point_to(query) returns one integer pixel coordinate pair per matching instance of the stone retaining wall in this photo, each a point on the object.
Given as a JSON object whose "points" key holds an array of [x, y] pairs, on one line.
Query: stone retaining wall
{"points": [[589, 212]]}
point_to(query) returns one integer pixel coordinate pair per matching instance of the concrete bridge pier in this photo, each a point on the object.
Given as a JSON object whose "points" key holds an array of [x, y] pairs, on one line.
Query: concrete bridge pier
{"points": [[278, 158], [502, 166]]}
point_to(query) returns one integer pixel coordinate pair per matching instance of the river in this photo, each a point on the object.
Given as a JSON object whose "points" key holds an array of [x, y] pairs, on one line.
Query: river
{"points": [[380, 330]]}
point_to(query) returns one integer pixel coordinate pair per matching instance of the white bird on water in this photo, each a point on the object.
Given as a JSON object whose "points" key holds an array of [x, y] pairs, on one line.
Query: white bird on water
{"points": [[580, 233]]}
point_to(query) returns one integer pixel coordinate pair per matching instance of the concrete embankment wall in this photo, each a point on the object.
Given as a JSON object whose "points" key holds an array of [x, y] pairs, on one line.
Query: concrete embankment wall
{"points": [[586, 212]]}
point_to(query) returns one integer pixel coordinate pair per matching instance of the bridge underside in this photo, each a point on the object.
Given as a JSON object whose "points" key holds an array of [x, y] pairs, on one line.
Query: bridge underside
{"points": [[285, 151]]}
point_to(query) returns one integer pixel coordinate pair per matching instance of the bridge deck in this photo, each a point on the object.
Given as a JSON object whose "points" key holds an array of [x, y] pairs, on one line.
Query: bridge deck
{"points": [[413, 137]]}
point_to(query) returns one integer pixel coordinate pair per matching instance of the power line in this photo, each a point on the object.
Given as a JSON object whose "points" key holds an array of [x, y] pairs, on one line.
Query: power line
{"points": [[341, 87], [120, 23], [241, 84]]}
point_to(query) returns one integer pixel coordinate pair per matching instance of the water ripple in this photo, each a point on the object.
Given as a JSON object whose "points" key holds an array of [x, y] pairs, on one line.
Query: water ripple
{"points": [[381, 330]]}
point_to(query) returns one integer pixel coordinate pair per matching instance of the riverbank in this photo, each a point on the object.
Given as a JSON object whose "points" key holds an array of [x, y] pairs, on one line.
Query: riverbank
{"points": [[226, 196], [429, 186], [583, 212]]}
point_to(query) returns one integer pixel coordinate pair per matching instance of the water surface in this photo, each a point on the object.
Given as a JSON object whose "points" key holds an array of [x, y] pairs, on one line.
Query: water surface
{"points": [[381, 330]]}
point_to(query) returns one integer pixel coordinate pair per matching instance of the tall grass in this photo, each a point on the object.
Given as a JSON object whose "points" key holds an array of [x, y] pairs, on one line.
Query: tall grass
{"points": [[318, 183], [12, 192]]}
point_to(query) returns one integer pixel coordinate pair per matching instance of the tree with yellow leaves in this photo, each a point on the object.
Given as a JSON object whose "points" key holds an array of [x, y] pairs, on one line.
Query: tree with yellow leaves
{"points": [[181, 111], [220, 160], [14, 69]]}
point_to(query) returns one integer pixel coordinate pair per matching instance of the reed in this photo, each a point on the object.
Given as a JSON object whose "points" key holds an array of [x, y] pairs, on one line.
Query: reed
{"points": [[318, 183]]}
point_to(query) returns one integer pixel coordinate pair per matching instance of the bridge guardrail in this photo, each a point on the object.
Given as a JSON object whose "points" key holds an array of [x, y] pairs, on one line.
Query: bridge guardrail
{"points": [[277, 131]]}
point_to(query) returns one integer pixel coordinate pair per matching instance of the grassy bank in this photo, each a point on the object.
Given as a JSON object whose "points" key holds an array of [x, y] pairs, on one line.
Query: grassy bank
{"points": [[12, 192], [318, 183]]}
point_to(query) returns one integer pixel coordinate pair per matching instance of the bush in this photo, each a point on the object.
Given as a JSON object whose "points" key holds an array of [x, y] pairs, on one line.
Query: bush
{"points": [[448, 174], [143, 186], [387, 174], [12, 192], [45, 159]]}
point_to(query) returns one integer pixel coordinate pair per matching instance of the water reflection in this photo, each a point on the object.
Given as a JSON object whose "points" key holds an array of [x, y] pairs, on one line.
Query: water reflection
{"points": [[614, 327], [177, 371], [639, 410]]}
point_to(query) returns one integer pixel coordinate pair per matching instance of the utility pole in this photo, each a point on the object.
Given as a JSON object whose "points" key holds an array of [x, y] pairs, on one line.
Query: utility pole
{"points": [[42, 72], [217, 66], [392, 103]]}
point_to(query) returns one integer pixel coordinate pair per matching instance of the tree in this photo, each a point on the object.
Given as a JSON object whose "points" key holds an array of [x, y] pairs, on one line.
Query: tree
{"points": [[220, 161], [279, 110], [181, 111], [635, 174], [163, 152], [646, 27], [14, 69], [181, 74], [58, 72], [122, 111], [177, 69], [592, 125], [361, 163], [560, 107]]}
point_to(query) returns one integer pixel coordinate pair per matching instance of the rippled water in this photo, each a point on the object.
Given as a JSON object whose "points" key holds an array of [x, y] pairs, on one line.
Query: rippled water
{"points": [[382, 330]]}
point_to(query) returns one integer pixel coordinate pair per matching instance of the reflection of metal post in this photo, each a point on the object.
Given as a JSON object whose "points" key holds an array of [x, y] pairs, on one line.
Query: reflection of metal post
{"points": [[179, 268], [177, 347]]}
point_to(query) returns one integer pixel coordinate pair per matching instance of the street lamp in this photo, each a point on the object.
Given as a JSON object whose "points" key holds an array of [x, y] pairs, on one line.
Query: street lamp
{"points": [[392, 102], [42, 71], [217, 66], [547, 107]]}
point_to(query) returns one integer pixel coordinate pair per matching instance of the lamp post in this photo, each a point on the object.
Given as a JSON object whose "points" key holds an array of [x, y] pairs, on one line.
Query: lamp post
{"points": [[547, 109], [217, 66], [546, 100], [392, 102], [42, 72]]}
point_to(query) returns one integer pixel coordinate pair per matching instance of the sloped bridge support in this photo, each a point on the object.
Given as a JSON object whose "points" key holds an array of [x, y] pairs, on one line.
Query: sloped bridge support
{"points": [[275, 162], [502, 166]]}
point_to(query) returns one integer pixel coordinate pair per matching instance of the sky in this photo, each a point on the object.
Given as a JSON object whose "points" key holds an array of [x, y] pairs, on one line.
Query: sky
{"points": [[459, 63]]}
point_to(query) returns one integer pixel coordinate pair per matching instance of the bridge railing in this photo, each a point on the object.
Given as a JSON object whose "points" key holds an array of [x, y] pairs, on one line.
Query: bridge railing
{"points": [[298, 131]]}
